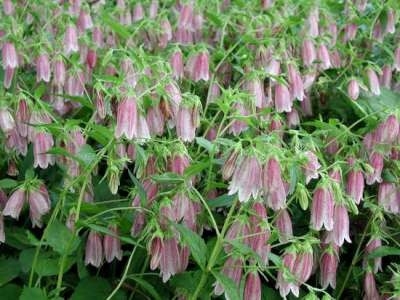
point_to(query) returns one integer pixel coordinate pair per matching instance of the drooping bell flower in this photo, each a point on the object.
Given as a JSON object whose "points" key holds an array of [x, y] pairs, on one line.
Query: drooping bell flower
{"points": [[9, 56], [8, 7], [296, 83], [378, 32], [8, 77], [388, 197], [252, 287], [166, 33], [43, 68], [197, 66], [328, 266], [376, 162], [187, 122], [138, 12], [7, 122], [396, 63], [171, 108], [42, 143], [303, 265], [153, 9], [94, 250], [373, 81], [306, 106], [169, 258], [293, 118], [246, 180], [239, 125], [353, 89], [126, 118], [39, 205], [233, 269], [355, 185], [312, 23], [373, 244], [283, 101], [178, 163], [341, 225], [386, 76], [14, 204], [238, 232], [285, 281], [311, 167], [336, 60], [255, 87], [112, 245], [75, 84], [308, 52], [350, 32], [176, 63], [390, 21], [273, 68], [91, 58], [97, 37], [324, 57], [84, 21], [273, 185], [59, 72], [284, 224], [229, 165], [322, 210], [370, 290], [259, 231], [142, 129], [388, 131], [71, 40], [155, 120]]}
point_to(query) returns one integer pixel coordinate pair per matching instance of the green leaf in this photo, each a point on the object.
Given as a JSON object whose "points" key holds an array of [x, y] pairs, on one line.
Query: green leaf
{"points": [[115, 26], [61, 239], [8, 183], [384, 251], [10, 291], [202, 142], [82, 100], [168, 177], [139, 186], [196, 168], [230, 287], [86, 154], [224, 200], [9, 269], [147, 287], [32, 294], [101, 134], [94, 288], [196, 244]]}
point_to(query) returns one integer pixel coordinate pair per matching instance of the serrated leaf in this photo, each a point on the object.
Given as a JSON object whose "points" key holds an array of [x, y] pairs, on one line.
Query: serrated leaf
{"points": [[61, 239], [206, 144], [86, 154], [100, 133], [196, 168], [195, 243], [8, 183]]}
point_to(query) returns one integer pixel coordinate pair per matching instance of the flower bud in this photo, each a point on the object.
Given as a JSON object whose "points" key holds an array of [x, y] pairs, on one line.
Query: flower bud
{"points": [[373, 82], [353, 89]]}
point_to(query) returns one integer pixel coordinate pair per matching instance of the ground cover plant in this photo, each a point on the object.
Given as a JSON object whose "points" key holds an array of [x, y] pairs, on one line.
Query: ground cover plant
{"points": [[200, 149]]}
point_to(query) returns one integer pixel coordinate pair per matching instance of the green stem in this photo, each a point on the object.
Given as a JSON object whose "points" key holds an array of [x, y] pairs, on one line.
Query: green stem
{"points": [[214, 254]]}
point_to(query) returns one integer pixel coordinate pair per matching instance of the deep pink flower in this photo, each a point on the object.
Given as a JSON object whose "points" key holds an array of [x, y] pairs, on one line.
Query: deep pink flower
{"points": [[283, 102], [252, 288], [126, 118], [14, 204], [273, 185], [112, 245], [246, 180], [322, 210], [94, 249]]}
